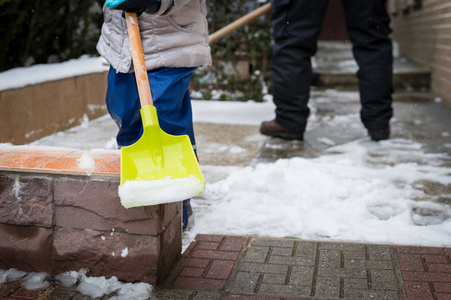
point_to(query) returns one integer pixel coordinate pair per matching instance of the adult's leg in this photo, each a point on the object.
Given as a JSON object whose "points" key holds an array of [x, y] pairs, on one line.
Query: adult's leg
{"points": [[296, 24], [368, 25]]}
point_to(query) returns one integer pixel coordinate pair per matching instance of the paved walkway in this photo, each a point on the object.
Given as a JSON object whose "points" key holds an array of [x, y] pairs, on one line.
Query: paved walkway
{"points": [[238, 267], [235, 267]]}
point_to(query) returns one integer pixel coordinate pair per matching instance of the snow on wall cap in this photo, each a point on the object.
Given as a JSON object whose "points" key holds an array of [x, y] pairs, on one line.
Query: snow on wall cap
{"points": [[21, 77]]}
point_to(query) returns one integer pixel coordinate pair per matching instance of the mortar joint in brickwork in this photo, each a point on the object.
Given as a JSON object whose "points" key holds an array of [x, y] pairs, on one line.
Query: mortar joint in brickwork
{"points": [[193, 295], [423, 261], [315, 270], [431, 287], [342, 288], [268, 255], [397, 271], [447, 255], [369, 279], [342, 259], [367, 252], [287, 278], [295, 247], [258, 284]]}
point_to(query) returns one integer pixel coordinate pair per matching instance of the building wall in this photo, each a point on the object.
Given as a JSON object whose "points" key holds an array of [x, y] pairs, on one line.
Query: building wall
{"points": [[423, 31]]}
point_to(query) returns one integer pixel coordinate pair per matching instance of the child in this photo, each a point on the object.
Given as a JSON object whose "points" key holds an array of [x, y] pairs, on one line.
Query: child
{"points": [[174, 36]]}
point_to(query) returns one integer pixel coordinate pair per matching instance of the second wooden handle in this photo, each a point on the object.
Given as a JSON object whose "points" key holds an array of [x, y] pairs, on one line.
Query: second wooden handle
{"points": [[239, 23]]}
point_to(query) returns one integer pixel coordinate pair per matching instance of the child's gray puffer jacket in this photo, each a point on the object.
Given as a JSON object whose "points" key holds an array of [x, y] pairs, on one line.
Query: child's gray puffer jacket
{"points": [[176, 37]]}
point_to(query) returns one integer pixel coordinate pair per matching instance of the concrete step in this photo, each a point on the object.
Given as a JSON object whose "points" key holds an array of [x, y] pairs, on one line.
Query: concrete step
{"points": [[334, 66]]}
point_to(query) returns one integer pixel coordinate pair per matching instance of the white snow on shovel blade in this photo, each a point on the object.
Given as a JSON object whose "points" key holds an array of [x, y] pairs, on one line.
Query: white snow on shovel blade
{"points": [[135, 193]]}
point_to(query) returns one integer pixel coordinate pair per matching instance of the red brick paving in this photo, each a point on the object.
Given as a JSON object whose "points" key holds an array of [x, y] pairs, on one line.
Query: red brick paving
{"points": [[442, 288], [192, 272], [208, 262], [426, 272], [12, 290], [209, 238], [23, 293], [199, 283], [220, 269], [211, 254], [7, 289], [232, 243], [208, 246], [195, 262], [418, 291]]}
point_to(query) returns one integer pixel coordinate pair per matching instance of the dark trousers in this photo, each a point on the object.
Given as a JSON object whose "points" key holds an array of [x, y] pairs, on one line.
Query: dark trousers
{"points": [[297, 24]]}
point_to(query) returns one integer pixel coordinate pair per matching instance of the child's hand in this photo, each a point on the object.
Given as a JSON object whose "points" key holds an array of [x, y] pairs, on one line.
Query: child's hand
{"points": [[149, 6]]}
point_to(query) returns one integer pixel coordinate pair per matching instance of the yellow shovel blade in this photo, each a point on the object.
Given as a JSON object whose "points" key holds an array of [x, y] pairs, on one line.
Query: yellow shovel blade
{"points": [[159, 156]]}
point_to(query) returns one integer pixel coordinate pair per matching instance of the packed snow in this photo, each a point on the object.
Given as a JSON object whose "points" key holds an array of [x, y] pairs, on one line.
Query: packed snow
{"points": [[91, 286], [134, 193], [344, 195], [30, 281], [86, 161], [99, 286]]}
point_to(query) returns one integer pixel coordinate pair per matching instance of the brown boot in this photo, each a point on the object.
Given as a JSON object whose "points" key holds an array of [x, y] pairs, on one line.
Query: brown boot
{"points": [[380, 135], [272, 128]]}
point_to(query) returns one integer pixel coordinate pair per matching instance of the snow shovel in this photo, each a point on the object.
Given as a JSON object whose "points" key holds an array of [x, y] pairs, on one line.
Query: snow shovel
{"points": [[159, 167]]}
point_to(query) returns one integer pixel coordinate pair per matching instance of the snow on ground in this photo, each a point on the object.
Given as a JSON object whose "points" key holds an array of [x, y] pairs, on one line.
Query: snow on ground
{"points": [[344, 195], [238, 113], [101, 132], [361, 191], [91, 286], [96, 134]]}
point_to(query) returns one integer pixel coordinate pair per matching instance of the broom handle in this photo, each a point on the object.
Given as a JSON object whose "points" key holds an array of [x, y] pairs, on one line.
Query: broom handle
{"points": [[136, 48], [239, 23]]}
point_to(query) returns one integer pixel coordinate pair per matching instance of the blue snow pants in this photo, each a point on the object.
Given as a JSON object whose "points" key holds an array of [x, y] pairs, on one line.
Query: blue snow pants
{"points": [[170, 95]]}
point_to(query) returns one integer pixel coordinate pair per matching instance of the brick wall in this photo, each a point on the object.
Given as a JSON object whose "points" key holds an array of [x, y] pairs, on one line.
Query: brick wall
{"points": [[423, 31]]}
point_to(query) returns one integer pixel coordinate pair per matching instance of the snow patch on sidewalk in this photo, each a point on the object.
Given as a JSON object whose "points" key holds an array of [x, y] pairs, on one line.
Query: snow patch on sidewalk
{"points": [[357, 192]]}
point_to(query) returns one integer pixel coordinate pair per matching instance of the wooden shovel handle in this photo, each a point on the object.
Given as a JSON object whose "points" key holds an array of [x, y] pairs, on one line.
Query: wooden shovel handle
{"points": [[136, 48], [239, 23]]}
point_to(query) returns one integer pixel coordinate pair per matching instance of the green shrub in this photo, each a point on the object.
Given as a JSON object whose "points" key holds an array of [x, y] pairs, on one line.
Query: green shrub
{"points": [[47, 31]]}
